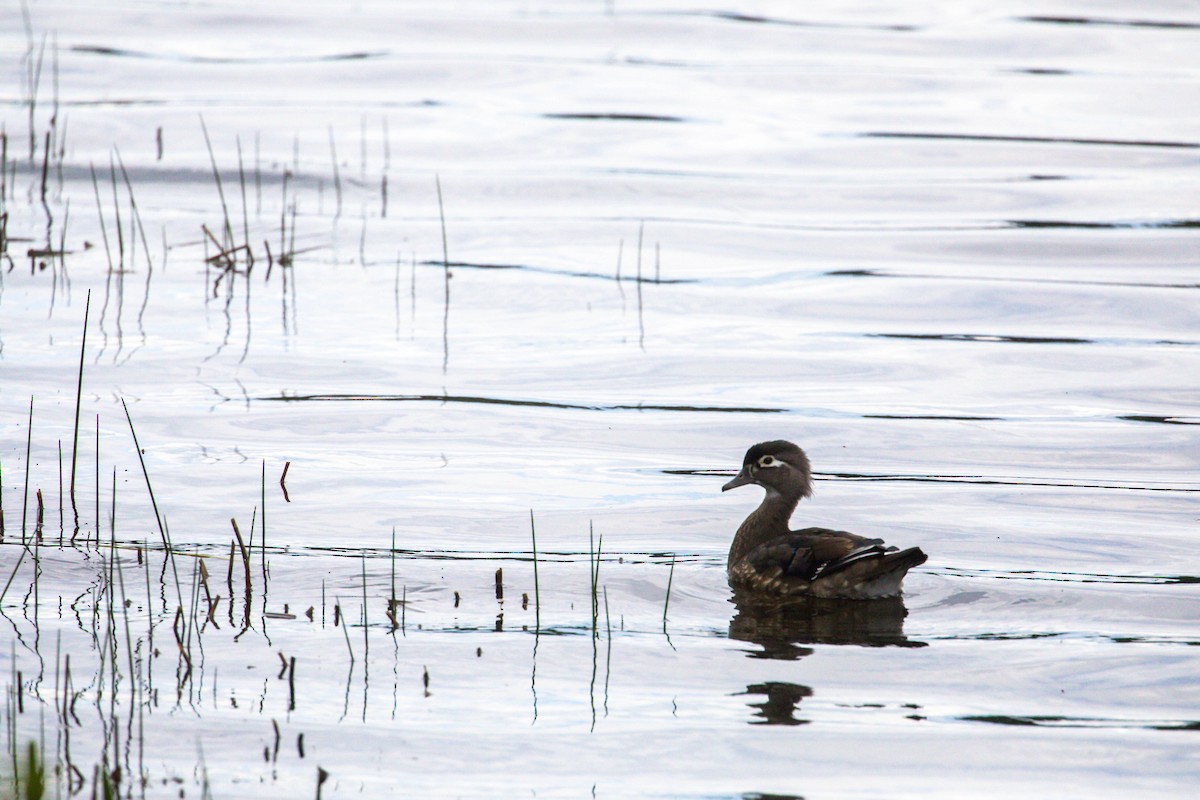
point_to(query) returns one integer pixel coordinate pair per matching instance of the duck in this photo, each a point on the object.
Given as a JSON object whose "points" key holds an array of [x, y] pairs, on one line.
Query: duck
{"points": [[767, 558]]}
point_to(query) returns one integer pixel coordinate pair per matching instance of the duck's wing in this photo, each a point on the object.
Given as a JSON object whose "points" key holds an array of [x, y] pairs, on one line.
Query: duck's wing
{"points": [[806, 555]]}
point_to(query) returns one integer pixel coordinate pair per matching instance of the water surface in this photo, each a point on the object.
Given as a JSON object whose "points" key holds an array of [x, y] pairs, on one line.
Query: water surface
{"points": [[574, 258]]}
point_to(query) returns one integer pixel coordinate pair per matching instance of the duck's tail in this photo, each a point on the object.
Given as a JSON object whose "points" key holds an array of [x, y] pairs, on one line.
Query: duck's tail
{"points": [[904, 560], [866, 575]]}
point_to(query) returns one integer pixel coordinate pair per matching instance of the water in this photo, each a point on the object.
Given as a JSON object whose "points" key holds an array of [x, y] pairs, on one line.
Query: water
{"points": [[949, 251]]}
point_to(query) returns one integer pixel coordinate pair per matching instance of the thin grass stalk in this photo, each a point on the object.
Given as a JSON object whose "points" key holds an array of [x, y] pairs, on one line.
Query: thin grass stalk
{"points": [[125, 608], [62, 243], [45, 167], [641, 318], [337, 178], [608, 650], [100, 212], [135, 212], [257, 175], [338, 613], [282, 225], [263, 545], [78, 401], [35, 80], [446, 278], [149, 624], [142, 460], [537, 594], [392, 598], [112, 177], [366, 641], [228, 230], [97, 529], [667, 602], [61, 523], [245, 210], [13, 574], [28, 446]]}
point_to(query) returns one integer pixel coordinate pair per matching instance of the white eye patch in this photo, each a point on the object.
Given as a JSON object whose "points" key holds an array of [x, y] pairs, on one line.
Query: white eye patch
{"points": [[769, 461]]}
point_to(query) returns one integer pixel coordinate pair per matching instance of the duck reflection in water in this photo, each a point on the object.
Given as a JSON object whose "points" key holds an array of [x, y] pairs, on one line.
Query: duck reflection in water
{"points": [[781, 629], [780, 705]]}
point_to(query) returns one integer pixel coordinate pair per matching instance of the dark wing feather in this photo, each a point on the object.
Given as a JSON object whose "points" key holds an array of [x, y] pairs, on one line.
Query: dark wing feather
{"points": [[811, 553]]}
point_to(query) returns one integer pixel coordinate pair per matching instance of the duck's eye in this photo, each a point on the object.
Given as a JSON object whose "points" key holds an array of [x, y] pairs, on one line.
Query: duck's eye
{"points": [[768, 461]]}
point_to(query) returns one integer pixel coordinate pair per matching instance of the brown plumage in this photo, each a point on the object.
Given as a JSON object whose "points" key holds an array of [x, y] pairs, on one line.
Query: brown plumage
{"points": [[768, 557]]}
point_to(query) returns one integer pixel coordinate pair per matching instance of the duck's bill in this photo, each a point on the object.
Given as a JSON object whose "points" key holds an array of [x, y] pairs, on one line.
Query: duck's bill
{"points": [[741, 479]]}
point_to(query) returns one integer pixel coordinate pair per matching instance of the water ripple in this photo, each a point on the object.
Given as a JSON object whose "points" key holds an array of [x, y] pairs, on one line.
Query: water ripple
{"points": [[984, 137]]}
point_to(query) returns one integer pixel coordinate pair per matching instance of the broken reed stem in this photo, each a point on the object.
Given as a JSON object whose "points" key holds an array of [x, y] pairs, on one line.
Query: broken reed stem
{"points": [[537, 594], [245, 556], [229, 573]]}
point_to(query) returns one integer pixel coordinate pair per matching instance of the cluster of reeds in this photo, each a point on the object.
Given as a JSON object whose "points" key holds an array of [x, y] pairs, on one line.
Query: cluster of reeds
{"points": [[122, 687], [47, 151]]}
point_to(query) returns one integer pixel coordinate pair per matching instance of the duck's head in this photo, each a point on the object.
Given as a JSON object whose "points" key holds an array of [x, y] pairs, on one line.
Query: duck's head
{"points": [[780, 467]]}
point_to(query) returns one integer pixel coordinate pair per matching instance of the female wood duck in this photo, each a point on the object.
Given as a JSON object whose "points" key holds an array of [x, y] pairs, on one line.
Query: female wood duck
{"points": [[767, 557]]}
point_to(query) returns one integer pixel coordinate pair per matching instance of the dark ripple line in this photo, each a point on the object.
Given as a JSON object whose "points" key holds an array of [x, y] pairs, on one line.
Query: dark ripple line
{"points": [[1083, 722], [516, 402], [972, 479], [873, 273], [756, 19], [942, 417], [982, 337], [985, 481], [122, 53], [1123, 23], [1036, 224], [614, 116], [1072, 577], [558, 272], [502, 401], [555, 556], [983, 137], [1158, 420]]}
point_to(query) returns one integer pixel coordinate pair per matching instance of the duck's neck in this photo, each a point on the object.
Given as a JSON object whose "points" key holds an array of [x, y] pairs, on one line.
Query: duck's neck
{"points": [[766, 522]]}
